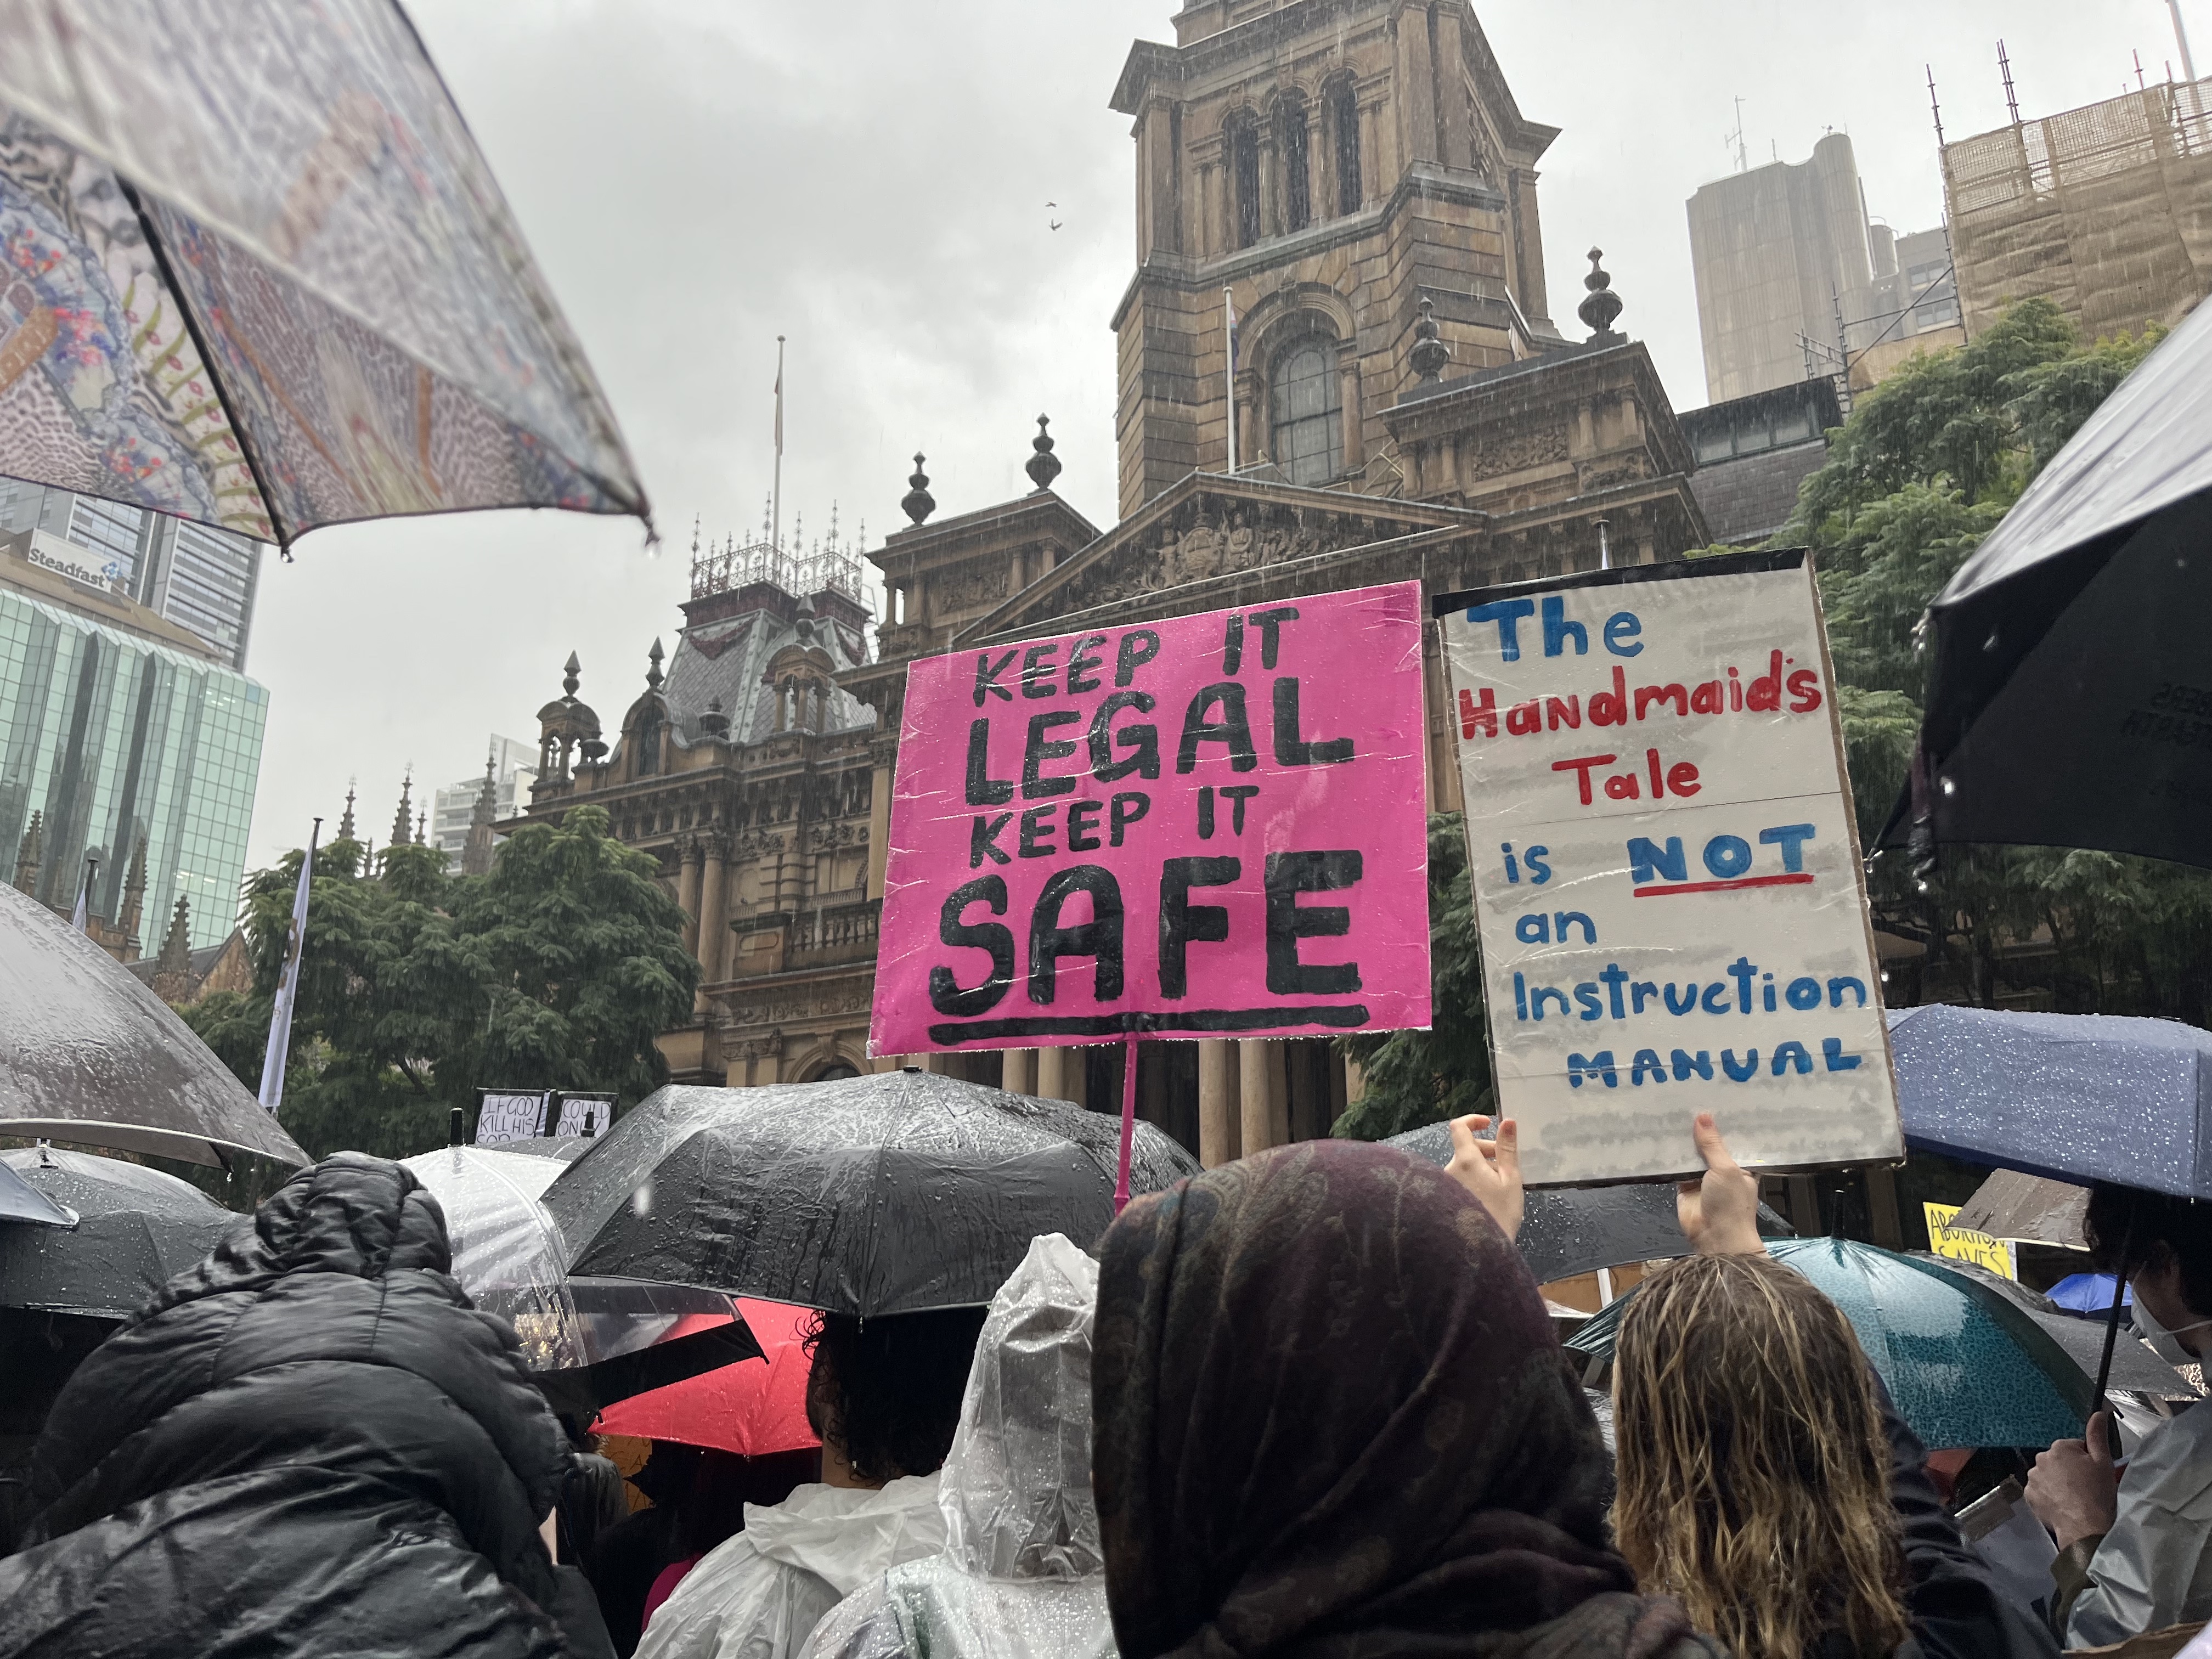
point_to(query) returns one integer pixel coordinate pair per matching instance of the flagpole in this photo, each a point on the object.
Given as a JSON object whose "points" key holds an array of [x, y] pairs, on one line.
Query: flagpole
{"points": [[775, 498], [1229, 374], [82, 919], [288, 983]]}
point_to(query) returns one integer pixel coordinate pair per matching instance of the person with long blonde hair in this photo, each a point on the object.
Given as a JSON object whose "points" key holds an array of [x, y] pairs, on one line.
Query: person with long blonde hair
{"points": [[1763, 1478], [1753, 1472]]}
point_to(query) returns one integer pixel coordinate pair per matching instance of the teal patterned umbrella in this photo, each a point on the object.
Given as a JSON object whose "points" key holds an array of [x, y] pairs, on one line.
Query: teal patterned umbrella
{"points": [[1965, 1365]]}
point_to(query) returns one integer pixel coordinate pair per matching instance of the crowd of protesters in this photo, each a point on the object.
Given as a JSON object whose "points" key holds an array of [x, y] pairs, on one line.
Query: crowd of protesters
{"points": [[1308, 1403]]}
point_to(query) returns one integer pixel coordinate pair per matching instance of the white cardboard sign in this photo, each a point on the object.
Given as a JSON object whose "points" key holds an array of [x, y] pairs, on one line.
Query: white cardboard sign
{"points": [[1666, 870]]}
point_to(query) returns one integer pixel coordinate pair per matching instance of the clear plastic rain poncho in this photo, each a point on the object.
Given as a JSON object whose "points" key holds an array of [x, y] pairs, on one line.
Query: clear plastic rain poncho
{"points": [[1022, 1576]]}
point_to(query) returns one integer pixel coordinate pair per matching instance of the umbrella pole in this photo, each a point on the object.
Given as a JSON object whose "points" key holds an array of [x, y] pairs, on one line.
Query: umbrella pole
{"points": [[1129, 1120], [2113, 1328]]}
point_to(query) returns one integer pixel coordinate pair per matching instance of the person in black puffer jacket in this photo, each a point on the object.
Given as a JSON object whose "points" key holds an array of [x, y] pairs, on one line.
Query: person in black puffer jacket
{"points": [[309, 1445]]}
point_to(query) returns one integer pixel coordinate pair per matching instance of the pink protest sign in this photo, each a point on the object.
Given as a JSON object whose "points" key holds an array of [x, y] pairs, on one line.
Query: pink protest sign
{"points": [[1209, 826]]}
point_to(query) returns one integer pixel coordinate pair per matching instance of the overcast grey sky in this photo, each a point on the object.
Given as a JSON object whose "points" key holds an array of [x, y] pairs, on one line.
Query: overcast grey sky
{"points": [[871, 179]]}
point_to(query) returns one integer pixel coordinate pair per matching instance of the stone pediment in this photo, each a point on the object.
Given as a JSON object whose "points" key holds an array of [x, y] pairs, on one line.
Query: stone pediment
{"points": [[1206, 527]]}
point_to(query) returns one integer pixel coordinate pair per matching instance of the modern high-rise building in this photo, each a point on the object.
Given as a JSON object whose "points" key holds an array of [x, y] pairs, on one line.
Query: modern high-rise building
{"points": [[514, 769], [1795, 282], [198, 577], [130, 747]]}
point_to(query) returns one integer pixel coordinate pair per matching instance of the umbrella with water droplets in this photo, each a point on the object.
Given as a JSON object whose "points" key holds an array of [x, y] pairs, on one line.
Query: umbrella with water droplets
{"points": [[868, 1195]]}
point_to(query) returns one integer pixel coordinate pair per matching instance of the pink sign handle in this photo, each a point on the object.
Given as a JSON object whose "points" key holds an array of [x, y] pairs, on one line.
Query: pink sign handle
{"points": [[1128, 1121]]}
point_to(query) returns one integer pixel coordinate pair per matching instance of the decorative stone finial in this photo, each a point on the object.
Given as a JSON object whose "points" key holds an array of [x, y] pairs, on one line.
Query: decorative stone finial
{"points": [[346, 831], [1429, 354], [1044, 467], [569, 684], [654, 677], [1602, 305], [919, 502]]}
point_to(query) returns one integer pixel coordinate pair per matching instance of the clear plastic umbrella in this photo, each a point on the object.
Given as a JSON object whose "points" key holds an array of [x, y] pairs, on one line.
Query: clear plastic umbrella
{"points": [[507, 1251], [509, 1256]]}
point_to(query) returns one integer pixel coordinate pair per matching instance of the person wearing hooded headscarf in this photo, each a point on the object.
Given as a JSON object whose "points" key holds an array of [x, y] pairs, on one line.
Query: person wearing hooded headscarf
{"points": [[308, 1446], [1332, 1419], [1021, 1576]]}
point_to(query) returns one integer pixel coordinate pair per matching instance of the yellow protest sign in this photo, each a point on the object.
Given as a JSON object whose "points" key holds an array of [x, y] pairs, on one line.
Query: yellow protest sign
{"points": [[1960, 1245]]}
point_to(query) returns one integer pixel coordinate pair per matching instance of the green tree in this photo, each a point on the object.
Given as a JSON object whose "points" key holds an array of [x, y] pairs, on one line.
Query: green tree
{"points": [[417, 988], [1415, 1078], [1920, 473]]}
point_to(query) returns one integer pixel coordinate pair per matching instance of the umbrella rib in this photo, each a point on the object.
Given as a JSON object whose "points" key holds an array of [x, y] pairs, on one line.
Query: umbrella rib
{"points": [[156, 247]]}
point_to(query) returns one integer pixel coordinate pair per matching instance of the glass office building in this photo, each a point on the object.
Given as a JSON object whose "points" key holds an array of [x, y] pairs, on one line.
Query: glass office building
{"points": [[109, 738], [192, 575]]}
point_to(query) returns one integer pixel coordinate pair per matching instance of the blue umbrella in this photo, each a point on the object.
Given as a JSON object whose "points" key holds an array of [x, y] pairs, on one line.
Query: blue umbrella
{"points": [[2087, 1293], [2082, 1096], [1965, 1366]]}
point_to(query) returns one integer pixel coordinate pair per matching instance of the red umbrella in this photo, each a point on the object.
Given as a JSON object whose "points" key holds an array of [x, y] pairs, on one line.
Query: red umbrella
{"points": [[748, 1408]]}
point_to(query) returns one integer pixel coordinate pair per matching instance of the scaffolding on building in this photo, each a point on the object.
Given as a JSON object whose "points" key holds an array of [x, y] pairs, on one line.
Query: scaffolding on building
{"points": [[2106, 210]]}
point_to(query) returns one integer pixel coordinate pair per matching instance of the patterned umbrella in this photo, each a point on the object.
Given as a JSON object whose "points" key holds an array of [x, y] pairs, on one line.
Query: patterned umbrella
{"points": [[255, 272]]}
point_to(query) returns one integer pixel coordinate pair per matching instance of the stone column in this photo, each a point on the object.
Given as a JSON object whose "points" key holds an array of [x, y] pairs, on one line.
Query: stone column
{"points": [[1021, 1070], [1355, 437], [1451, 70], [1278, 1094], [1255, 1078], [1416, 89], [883, 756], [687, 892], [1217, 1102], [1059, 1073], [713, 911]]}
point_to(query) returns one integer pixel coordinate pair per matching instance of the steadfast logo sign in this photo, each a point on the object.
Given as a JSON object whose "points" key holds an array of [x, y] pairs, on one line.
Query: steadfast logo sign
{"points": [[1666, 870]]}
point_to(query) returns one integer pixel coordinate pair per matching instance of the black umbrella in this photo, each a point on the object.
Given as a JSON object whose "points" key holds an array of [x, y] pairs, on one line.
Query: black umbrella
{"points": [[880, 1195], [89, 1054], [1567, 1230], [2070, 698], [136, 1230], [21, 1202]]}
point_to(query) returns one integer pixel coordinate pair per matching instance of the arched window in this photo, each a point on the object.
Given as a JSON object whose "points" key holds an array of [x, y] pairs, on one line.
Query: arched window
{"points": [[1291, 145], [1344, 116], [1306, 406], [1244, 160]]}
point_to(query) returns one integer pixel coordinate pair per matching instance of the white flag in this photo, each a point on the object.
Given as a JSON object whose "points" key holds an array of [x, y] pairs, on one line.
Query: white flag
{"points": [[779, 398], [288, 984]]}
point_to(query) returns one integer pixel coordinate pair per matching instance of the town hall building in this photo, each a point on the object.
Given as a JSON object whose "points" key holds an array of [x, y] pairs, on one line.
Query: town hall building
{"points": [[1354, 182]]}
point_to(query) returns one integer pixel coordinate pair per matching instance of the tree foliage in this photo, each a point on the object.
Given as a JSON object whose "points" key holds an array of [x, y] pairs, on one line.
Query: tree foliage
{"points": [[417, 988], [1424, 1077], [1922, 470]]}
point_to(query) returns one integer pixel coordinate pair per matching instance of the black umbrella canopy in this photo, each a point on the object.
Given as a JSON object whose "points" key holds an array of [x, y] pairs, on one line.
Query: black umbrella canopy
{"points": [[136, 1228], [1567, 1230], [90, 1055], [888, 1194], [2070, 697]]}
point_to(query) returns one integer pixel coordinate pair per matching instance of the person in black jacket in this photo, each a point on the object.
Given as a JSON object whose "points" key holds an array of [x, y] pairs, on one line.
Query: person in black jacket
{"points": [[309, 1445]]}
